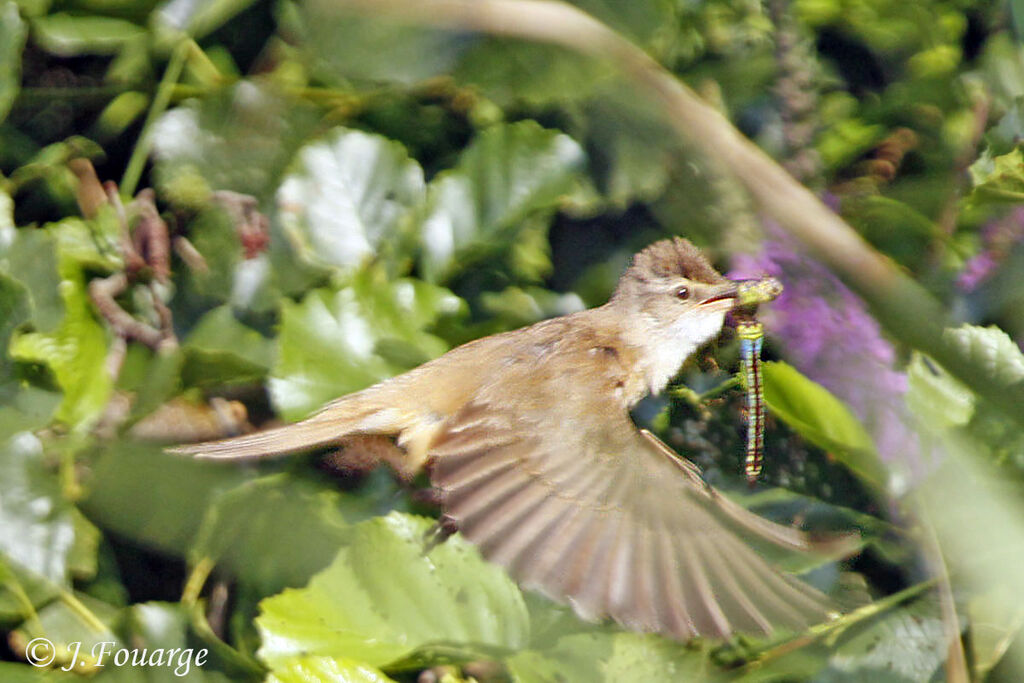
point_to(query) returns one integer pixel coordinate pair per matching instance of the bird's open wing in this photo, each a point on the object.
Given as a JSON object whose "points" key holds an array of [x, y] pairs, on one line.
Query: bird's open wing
{"points": [[593, 512]]}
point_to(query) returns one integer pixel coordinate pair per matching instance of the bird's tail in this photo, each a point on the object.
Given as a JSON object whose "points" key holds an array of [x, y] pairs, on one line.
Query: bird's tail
{"points": [[352, 414]]}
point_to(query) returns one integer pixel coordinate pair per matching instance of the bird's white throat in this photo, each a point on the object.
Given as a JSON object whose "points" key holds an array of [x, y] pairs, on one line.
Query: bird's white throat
{"points": [[666, 347]]}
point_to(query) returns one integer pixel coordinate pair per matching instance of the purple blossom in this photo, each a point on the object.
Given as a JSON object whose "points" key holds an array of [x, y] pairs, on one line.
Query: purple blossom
{"points": [[998, 237], [825, 331]]}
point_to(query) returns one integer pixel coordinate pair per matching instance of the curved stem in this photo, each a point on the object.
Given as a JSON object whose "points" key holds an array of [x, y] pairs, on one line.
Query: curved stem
{"points": [[905, 308]]}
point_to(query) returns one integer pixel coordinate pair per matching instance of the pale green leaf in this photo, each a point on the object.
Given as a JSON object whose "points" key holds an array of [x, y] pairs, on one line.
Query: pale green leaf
{"points": [[821, 418], [508, 174], [384, 597], [69, 35], [36, 524], [75, 353], [326, 669], [348, 197], [276, 531], [998, 180], [12, 41], [335, 342]]}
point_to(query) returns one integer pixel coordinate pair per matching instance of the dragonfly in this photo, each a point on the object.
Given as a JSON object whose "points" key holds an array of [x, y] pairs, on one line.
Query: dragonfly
{"points": [[750, 331]]}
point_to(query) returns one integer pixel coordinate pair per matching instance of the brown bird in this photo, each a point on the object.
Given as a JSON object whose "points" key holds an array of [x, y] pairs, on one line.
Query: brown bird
{"points": [[528, 437]]}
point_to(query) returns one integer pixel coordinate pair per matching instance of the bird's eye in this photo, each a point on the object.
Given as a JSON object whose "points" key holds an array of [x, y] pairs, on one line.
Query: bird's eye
{"points": [[683, 293]]}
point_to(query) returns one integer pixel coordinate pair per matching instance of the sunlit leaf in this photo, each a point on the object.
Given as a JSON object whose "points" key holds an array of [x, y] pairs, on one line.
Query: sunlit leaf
{"points": [[75, 353], [999, 179], [304, 669], [341, 45], [277, 531], [335, 342], [383, 597], [221, 349], [240, 138], [69, 35], [507, 174], [349, 196], [197, 18], [139, 492], [822, 419], [36, 529], [12, 41]]}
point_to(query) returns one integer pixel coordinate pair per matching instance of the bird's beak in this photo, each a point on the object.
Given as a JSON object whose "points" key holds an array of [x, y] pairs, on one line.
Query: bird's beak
{"points": [[722, 292]]}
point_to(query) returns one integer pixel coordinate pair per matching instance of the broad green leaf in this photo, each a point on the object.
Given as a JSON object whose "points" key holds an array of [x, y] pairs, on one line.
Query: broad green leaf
{"points": [[221, 349], [36, 525], [12, 41], [998, 180], [383, 598], [993, 348], [74, 626], [239, 138], [938, 400], [70, 35], [156, 499], [508, 174], [335, 342], [907, 644], [75, 353], [277, 531], [818, 416], [196, 19], [606, 656], [334, 669], [996, 619], [29, 256], [348, 197], [513, 73], [162, 630], [343, 45], [14, 310], [518, 307]]}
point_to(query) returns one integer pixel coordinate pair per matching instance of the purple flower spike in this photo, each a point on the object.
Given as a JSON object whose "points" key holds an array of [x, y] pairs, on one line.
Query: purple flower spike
{"points": [[826, 332]]}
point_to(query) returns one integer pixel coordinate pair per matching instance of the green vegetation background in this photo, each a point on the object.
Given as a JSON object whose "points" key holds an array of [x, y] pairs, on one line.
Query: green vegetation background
{"points": [[343, 197]]}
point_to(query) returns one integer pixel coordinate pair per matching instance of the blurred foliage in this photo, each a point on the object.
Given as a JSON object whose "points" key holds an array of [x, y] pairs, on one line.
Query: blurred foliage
{"points": [[345, 197]]}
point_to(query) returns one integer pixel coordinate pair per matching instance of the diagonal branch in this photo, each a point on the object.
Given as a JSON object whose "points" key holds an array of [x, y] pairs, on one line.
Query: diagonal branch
{"points": [[905, 308]]}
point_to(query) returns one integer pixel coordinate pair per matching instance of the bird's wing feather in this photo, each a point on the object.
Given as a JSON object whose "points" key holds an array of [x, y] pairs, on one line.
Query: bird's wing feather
{"points": [[579, 504]]}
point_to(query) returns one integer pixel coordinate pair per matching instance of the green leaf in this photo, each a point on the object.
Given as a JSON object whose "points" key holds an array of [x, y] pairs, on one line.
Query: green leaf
{"points": [[36, 525], [935, 397], [336, 342], [220, 349], [29, 256], [992, 348], [343, 45], [75, 353], [998, 180], [277, 531], [74, 625], [996, 618], [196, 19], [383, 597], [610, 656], [69, 35], [239, 138], [907, 644], [349, 197], [14, 310], [818, 416], [154, 498], [305, 669], [508, 174], [13, 32]]}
